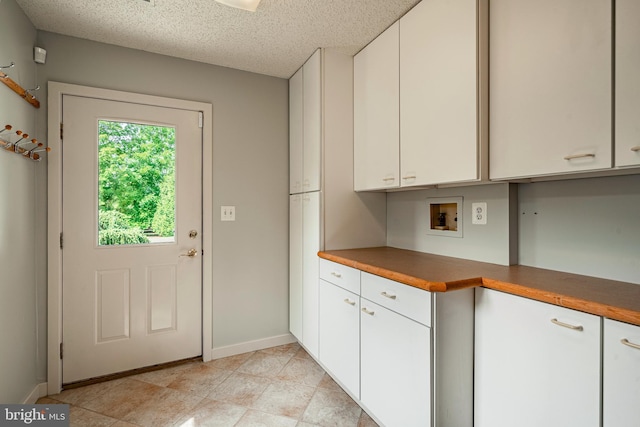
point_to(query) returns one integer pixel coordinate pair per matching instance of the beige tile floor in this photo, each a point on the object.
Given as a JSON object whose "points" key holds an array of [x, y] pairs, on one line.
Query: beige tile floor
{"points": [[280, 386]]}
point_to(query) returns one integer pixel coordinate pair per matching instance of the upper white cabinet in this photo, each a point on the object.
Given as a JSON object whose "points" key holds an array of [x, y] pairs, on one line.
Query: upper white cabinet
{"points": [[621, 374], [536, 364], [550, 87], [377, 113], [627, 91], [305, 126], [439, 84], [296, 134], [419, 100], [312, 122]]}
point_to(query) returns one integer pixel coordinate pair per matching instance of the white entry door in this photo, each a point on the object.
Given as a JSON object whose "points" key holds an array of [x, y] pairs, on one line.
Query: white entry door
{"points": [[132, 221]]}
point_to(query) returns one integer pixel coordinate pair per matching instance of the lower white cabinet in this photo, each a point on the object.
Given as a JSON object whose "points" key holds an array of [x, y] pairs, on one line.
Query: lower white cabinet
{"points": [[536, 364], [405, 354], [395, 367], [621, 374], [304, 244], [339, 335]]}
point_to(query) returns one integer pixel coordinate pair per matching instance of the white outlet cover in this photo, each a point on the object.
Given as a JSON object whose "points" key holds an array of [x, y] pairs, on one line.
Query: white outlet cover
{"points": [[479, 213]]}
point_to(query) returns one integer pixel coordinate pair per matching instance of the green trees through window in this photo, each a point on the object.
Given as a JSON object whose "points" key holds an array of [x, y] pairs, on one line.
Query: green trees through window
{"points": [[136, 183]]}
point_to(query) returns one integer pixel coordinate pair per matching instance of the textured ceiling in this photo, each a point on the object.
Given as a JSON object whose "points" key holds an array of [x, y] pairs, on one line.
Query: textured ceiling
{"points": [[275, 40]]}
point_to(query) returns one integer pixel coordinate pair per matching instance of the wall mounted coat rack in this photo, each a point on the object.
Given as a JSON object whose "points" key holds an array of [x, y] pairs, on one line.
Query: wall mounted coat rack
{"points": [[24, 93], [18, 142]]}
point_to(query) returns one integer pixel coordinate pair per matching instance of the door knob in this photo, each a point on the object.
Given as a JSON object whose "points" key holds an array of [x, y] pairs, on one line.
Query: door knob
{"points": [[191, 253]]}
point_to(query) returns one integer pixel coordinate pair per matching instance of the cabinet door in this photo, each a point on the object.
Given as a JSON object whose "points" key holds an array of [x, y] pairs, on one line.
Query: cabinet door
{"points": [[295, 265], [627, 83], [312, 122], [536, 364], [340, 335], [550, 87], [438, 93], [621, 374], [295, 133], [310, 270], [395, 363], [376, 111]]}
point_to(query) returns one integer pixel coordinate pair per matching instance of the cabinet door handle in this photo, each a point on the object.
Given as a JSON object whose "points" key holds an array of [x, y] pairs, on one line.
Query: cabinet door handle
{"points": [[335, 274], [567, 325], [636, 148], [389, 178], [367, 311], [579, 156], [390, 296], [409, 177], [630, 344], [348, 301]]}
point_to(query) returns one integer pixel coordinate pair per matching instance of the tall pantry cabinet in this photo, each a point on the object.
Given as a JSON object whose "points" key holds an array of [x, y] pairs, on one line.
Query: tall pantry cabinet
{"points": [[325, 212]]}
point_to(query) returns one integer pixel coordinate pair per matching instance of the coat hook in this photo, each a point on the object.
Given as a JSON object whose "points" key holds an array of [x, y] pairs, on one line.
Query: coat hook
{"points": [[18, 149], [29, 153], [33, 154], [13, 144], [29, 91], [2, 67], [6, 128]]}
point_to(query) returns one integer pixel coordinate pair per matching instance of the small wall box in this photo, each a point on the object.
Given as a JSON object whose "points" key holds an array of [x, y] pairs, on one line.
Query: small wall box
{"points": [[445, 216]]}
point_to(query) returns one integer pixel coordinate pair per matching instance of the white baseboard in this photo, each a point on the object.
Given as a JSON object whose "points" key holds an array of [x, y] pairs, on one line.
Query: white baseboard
{"points": [[40, 390], [245, 347]]}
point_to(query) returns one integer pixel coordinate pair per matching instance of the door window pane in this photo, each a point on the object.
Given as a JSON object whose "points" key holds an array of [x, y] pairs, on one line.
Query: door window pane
{"points": [[136, 183]]}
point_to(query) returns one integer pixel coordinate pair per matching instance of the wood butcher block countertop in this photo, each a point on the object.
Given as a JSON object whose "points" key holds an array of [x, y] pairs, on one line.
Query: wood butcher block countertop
{"points": [[435, 273]]}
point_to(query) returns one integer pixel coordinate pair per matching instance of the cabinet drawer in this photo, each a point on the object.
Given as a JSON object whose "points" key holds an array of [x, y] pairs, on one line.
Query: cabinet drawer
{"points": [[346, 277], [411, 302]]}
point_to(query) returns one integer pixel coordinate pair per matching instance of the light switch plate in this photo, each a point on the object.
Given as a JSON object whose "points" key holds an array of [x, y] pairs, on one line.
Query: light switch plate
{"points": [[479, 213], [227, 213]]}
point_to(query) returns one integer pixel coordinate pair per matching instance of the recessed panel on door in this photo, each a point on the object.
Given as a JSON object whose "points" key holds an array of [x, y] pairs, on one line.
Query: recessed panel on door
{"points": [[161, 285], [112, 303]]}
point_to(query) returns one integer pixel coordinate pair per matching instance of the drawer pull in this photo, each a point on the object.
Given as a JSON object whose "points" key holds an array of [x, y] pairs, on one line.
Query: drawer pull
{"points": [[579, 156], [348, 301], [335, 274], [636, 148], [367, 311], [390, 296], [566, 325], [630, 344]]}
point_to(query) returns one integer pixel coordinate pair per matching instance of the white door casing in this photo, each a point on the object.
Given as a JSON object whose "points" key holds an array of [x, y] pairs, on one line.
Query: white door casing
{"points": [[158, 267], [127, 306]]}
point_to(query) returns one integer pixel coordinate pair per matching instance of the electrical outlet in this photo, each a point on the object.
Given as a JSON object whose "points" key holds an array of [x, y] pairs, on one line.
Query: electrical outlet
{"points": [[479, 213], [227, 213]]}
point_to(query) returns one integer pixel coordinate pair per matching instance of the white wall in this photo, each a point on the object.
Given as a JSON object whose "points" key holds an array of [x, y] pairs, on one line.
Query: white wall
{"points": [[250, 169], [18, 316], [408, 222], [584, 226], [588, 226]]}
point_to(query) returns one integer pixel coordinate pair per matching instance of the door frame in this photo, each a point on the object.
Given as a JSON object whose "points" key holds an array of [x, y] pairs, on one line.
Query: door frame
{"points": [[54, 216]]}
